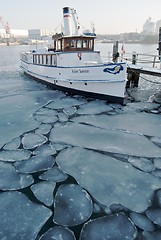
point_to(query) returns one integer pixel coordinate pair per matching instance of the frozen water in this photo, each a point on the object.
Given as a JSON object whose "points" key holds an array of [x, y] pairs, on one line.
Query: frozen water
{"points": [[69, 111], [62, 117], [157, 162], [140, 106], [72, 205], [43, 129], [144, 123], [26, 107], [46, 111], [58, 146], [45, 150], [65, 103], [10, 179], [96, 173], [58, 233], [13, 144], [96, 208], [94, 107], [14, 155], [142, 222], [35, 164], [154, 215], [32, 140], [114, 227], [43, 191], [54, 174], [118, 208], [157, 141], [45, 118], [46, 115], [142, 163], [157, 172], [158, 198], [151, 236], [20, 218], [106, 140], [16, 113]]}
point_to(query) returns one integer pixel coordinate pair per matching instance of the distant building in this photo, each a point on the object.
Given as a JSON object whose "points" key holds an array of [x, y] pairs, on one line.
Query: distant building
{"points": [[38, 34], [149, 27], [157, 26], [16, 33]]}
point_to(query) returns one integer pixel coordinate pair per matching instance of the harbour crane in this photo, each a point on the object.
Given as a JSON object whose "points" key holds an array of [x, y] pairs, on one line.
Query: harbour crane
{"points": [[6, 28]]}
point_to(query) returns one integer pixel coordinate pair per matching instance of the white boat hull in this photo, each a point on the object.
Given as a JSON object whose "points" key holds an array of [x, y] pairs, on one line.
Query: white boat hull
{"points": [[101, 81]]}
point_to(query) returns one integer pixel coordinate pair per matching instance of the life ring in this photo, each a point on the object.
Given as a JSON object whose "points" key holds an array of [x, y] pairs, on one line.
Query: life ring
{"points": [[79, 55]]}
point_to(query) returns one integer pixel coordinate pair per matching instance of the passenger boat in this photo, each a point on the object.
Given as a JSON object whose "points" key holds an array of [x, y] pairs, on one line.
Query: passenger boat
{"points": [[72, 64]]}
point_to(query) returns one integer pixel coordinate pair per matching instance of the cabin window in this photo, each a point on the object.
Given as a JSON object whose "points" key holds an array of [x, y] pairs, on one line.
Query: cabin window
{"points": [[67, 44], [79, 44], [34, 58], [54, 60], [39, 59], [50, 59], [59, 45], [42, 59], [85, 44], [73, 43]]}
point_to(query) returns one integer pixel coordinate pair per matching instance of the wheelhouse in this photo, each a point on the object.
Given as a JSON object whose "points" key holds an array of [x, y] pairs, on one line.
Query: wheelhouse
{"points": [[73, 43]]}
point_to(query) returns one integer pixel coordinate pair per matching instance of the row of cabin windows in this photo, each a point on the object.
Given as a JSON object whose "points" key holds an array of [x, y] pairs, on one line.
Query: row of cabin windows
{"points": [[74, 44], [45, 59]]}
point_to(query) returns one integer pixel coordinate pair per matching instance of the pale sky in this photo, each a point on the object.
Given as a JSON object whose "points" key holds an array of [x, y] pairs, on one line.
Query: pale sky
{"points": [[108, 16]]}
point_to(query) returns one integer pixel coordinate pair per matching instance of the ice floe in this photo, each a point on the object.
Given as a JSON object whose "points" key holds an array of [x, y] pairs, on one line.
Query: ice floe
{"points": [[62, 117], [45, 150], [14, 155], [32, 140], [144, 123], [151, 236], [116, 226], [20, 218], [58, 233], [154, 215], [65, 103], [140, 107], [10, 179], [35, 164], [13, 144], [142, 163], [72, 205], [157, 162], [69, 111], [96, 173], [43, 191], [94, 107], [54, 174], [45, 118], [43, 129], [104, 139], [17, 111], [142, 221]]}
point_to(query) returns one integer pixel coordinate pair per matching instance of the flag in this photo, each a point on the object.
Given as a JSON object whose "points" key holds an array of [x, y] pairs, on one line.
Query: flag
{"points": [[123, 49]]}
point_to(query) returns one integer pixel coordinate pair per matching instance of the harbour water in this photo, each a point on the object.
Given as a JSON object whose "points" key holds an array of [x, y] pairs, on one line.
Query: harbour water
{"points": [[74, 168]]}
